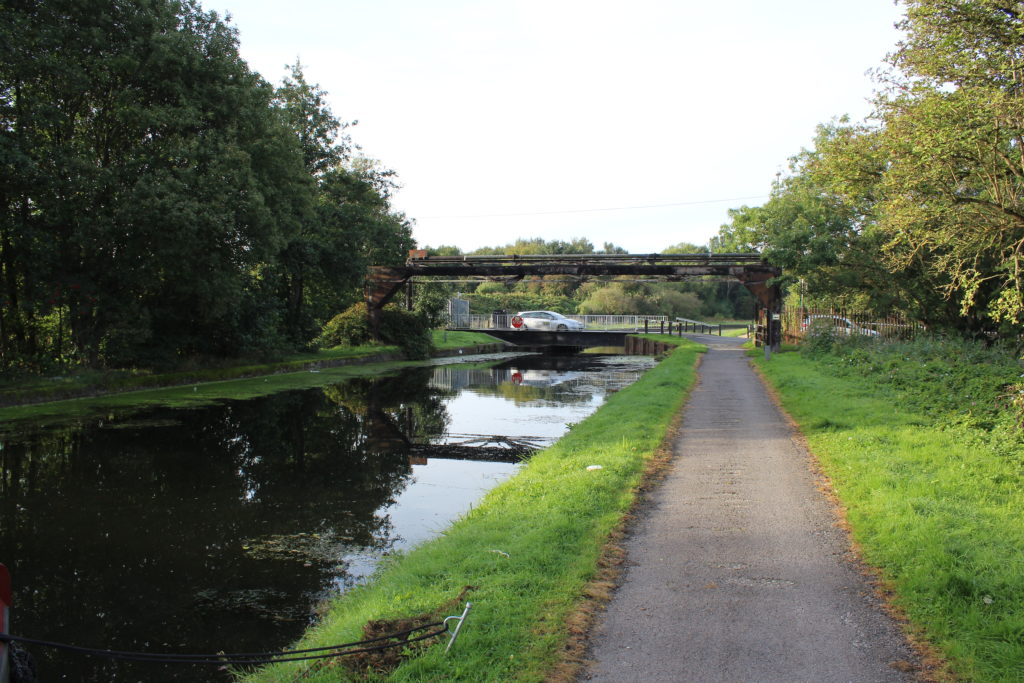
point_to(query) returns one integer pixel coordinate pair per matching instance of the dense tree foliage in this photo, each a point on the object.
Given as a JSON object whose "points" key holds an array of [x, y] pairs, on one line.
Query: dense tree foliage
{"points": [[953, 124], [160, 201], [922, 208]]}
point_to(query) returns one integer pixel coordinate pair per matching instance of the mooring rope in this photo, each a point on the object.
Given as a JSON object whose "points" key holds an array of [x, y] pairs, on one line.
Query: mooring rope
{"points": [[242, 658]]}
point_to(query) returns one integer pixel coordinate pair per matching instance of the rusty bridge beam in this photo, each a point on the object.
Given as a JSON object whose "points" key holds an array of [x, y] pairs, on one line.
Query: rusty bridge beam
{"points": [[383, 282]]}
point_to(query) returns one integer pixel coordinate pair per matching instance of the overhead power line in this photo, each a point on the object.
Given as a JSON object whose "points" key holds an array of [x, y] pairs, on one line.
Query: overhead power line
{"points": [[608, 208]]}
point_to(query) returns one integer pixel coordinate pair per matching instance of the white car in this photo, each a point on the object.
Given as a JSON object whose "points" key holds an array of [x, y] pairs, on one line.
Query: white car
{"points": [[842, 325], [547, 320]]}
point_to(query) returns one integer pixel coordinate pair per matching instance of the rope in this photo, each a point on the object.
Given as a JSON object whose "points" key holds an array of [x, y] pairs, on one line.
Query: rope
{"points": [[251, 658]]}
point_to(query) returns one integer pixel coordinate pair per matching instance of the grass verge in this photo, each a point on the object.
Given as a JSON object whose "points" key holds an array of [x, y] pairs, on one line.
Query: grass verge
{"points": [[82, 396], [450, 339], [734, 332], [198, 393], [93, 383], [933, 503], [527, 552]]}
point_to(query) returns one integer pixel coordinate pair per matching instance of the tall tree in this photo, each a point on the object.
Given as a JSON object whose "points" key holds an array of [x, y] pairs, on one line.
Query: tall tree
{"points": [[822, 225], [953, 135], [160, 177], [351, 225]]}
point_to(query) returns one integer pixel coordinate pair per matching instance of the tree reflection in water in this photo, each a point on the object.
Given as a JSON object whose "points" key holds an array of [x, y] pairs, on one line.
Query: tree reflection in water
{"points": [[221, 528], [166, 530]]}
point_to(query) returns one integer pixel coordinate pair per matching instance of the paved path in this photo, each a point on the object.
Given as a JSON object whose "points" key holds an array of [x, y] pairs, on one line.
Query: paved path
{"points": [[735, 570]]}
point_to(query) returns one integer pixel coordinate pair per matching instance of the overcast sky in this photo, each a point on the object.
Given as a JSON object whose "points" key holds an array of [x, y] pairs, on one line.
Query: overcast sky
{"points": [[557, 118]]}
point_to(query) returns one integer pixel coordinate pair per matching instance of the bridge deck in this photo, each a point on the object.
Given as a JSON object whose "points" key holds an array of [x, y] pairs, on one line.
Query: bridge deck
{"points": [[567, 338]]}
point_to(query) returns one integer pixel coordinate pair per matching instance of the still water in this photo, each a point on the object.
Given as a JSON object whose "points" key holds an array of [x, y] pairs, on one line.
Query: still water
{"points": [[222, 528]]}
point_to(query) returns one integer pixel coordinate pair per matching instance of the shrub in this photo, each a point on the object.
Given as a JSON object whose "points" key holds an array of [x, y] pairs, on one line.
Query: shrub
{"points": [[820, 338], [349, 328], [408, 330]]}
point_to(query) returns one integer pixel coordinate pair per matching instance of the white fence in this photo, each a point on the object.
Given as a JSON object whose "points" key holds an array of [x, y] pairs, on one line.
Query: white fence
{"points": [[795, 322]]}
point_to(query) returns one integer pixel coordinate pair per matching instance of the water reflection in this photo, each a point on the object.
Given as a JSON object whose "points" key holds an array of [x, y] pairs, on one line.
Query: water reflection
{"points": [[223, 527]]}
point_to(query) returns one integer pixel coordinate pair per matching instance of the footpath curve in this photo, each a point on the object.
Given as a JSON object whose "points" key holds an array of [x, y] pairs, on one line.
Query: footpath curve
{"points": [[736, 570]]}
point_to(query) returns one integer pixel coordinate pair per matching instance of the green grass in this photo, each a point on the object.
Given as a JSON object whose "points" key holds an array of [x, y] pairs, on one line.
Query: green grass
{"points": [[934, 501], [90, 382], [528, 549], [668, 339], [195, 394], [444, 339], [275, 379], [734, 332], [87, 393]]}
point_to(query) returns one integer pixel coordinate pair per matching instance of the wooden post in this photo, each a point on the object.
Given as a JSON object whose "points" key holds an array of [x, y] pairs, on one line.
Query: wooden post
{"points": [[645, 325]]}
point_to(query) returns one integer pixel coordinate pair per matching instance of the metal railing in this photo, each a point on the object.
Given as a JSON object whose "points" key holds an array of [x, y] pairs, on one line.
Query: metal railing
{"points": [[420, 257], [503, 321]]}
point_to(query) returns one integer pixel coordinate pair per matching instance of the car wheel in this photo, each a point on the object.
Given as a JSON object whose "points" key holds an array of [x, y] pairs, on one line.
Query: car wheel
{"points": [[562, 328]]}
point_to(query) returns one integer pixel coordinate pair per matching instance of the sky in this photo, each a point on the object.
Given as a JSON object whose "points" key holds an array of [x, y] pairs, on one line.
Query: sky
{"points": [[638, 123]]}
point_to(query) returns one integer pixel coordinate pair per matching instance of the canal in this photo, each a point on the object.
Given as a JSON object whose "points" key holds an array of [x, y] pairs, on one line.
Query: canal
{"points": [[222, 528]]}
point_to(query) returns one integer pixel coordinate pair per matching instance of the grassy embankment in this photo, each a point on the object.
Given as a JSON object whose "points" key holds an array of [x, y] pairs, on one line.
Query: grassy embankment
{"points": [[734, 332], [923, 445], [84, 393], [528, 550]]}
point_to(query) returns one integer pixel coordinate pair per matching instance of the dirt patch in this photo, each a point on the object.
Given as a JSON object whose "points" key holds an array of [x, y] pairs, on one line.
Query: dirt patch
{"points": [[399, 635]]}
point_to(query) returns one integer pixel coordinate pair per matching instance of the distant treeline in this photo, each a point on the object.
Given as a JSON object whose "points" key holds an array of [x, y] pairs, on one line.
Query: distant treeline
{"points": [[162, 202], [698, 298]]}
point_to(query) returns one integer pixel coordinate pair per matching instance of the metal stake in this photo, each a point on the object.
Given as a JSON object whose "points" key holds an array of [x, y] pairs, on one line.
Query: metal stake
{"points": [[455, 633]]}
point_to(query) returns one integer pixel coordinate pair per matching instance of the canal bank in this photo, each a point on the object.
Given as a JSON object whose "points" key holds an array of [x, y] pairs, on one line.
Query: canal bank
{"points": [[92, 385], [527, 556], [228, 522], [240, 382]]}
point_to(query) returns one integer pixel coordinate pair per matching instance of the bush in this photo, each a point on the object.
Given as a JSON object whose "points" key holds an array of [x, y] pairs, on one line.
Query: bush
{"points": [[405, 329], [349, 328], [820, 338]]}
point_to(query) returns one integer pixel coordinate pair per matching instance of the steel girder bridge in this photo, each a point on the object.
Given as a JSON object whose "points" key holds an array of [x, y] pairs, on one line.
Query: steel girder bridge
{"points": [[384, 282]]}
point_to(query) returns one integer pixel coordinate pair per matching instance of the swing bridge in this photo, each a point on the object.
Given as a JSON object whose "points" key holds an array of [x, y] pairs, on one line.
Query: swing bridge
{"points": [[383, 283]]}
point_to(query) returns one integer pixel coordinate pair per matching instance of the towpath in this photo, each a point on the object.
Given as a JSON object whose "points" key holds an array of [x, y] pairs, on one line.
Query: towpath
{"points": [[735, 568]]}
